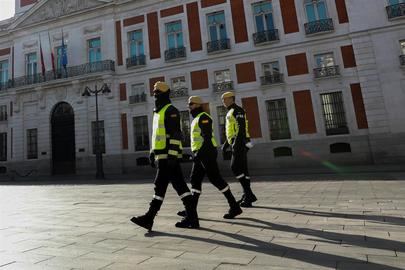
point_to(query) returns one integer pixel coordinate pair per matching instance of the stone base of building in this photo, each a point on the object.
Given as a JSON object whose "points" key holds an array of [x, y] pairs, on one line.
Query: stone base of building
{"points": [[329, 153]]}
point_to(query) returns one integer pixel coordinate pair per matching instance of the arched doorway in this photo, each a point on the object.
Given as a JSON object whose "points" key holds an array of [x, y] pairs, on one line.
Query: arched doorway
{"points": [[63, 139]]}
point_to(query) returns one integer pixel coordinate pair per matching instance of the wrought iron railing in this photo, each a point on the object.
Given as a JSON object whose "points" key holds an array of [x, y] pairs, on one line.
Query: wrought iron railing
{"points": [[266, 36], [175, 53], [223, 86], [326, 72], [319, 26], [395, 11], [137, 98], [402, 59], [179, 92], [218, 45], [135, 61], [73, 71], [272, 79]]}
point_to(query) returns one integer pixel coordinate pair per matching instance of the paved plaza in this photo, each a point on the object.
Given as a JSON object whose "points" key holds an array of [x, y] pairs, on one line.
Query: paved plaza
{"points": [[323, 223]]}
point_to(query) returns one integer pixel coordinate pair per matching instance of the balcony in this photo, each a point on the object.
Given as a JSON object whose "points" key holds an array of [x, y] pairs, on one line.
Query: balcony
{"points": [[179, 92], [396, 11], [136, 61], [176, 53], [320, 26], [222, 86], [265, 36], [70, 72], [402, 60], [325, 72], [218, 45], [272, 79], [137, 98]]}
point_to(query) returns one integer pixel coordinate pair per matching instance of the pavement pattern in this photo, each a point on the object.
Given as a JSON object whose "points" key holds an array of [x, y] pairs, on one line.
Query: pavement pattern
{"points": [[322, 224]]}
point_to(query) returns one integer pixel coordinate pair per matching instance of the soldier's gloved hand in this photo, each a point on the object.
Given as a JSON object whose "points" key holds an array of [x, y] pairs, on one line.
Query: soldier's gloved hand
{"points": [[152, 160], [172, 162]]}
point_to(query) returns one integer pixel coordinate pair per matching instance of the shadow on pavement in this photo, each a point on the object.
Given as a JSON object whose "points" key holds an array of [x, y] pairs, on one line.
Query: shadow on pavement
{"points": [[268, 248], [380, 219]]}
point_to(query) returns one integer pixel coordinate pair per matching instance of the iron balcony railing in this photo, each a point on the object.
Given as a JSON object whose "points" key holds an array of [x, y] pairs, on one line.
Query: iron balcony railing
{"points": [[272, 79], [179, 92], [223, 86], [326, 72], [175, 53], [266, 36], [137, 98], [395, 11], [325, 25], [218, 45], [136, 61], [402, 59], [73, 71]]}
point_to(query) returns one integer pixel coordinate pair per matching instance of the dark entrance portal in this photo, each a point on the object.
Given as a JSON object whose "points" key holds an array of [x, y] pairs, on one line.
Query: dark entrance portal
{"points": [[63, 139]]}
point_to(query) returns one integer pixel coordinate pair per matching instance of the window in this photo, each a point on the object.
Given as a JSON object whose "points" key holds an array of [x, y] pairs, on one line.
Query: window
{"points": [[222, 76], [3, 72], [325, 65], [3, 113], [334, 113], [94, 50], [271, 69], [221, 111], [402, 43], [278, 119], [32, 143], [137, 93], [179, 83], [395, 2], [174, 35], [185, 128], [136, 43], [263, 16], [324, 60], [3, 146], [316, 10], [216, 26], [141, 133], [31, 64], [100, 134]]}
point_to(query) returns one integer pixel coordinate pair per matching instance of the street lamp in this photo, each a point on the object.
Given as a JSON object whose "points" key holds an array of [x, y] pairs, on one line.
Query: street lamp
{"points": [[99, 155]]}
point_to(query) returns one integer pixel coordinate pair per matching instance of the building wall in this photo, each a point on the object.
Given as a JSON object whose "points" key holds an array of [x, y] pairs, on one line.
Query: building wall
{"points": [[365, 45]]}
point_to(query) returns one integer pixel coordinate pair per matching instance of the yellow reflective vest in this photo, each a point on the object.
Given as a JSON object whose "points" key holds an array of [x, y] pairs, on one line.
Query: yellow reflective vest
{"points": [[196, 139], [232, 127], [159, 132]]}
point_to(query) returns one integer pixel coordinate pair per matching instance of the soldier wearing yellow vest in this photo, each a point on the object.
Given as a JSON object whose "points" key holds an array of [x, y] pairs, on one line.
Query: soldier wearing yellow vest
{"points": [[165, 153], [204, 147], [237, 136]]}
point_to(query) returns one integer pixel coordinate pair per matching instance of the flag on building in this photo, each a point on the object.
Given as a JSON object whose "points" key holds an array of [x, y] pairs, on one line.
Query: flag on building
{"points": [[42, 57], [52, 56], [64, 53]]}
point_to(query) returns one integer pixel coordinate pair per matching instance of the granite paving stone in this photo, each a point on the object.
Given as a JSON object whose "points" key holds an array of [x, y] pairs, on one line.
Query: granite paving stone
{"points": [[295, 224]]}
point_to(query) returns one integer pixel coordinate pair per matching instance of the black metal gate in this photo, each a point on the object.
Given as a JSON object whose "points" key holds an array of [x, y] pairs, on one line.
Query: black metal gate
{"points": [[63, 139]]}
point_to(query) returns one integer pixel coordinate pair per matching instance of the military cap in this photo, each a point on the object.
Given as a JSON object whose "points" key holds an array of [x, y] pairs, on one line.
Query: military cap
{"points": [[195, 100], [161, 86], [227, 94]]}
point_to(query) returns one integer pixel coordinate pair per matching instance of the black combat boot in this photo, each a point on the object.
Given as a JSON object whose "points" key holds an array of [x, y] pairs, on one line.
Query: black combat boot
{"points": [[196, 196], [146, 220], [191, 219], [248, 197], [234, 208]]}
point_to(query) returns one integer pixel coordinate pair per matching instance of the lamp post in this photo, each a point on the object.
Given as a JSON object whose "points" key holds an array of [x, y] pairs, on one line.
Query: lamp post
{"points": [[99, 155]]}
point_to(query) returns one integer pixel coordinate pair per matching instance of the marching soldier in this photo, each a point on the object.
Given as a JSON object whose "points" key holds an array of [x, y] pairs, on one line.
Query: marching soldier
{"points": [[237, 136], [165, 153], [204, 147]]}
